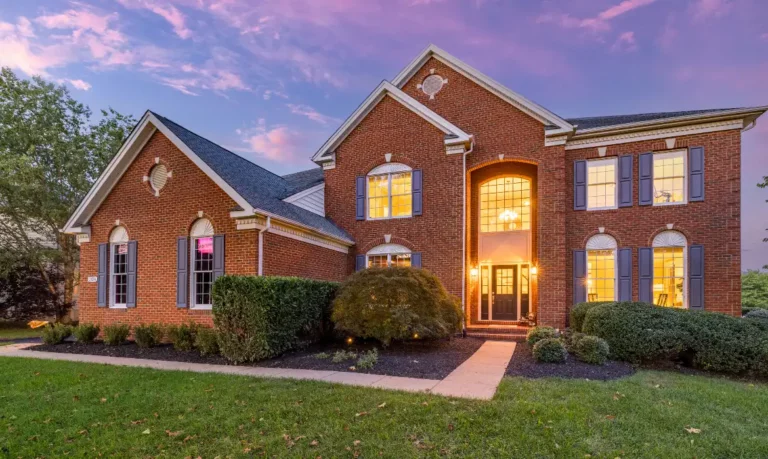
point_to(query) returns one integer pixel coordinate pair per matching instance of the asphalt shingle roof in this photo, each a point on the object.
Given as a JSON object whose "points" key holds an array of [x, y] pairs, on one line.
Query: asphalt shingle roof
{"points": [[262, 189], [300, 181], [606, 121]]}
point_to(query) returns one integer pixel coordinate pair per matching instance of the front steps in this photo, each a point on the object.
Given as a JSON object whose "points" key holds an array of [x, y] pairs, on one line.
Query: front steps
{"points": [[498, 333]]}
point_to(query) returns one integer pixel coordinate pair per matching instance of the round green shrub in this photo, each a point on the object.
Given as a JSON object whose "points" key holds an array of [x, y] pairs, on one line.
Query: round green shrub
{"points": [[147, 336], [570, 338], [56, 334], [396, 303], [550, 350], [86, 333], [761, 314], [537, 334], [207, 341], [579, 313], [591, 349], [116, 334], [183, 336]]}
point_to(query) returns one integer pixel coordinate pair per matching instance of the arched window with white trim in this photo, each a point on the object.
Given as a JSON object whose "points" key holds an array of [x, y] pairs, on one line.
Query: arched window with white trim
{"points": [[601, 268], [201, 261], [118, 267], [387, 255], [670, 269], [390, 192]]}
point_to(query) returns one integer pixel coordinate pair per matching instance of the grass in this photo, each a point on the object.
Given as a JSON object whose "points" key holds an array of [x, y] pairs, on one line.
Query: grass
{"points": [[17, 331], [51, 409]]}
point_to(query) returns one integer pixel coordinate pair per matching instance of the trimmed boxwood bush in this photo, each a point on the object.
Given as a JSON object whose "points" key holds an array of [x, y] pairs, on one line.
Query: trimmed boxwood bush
{"points": [[148, 335], [116, 334], [86, 333], [396, 303], [591, 349], [761, 314], [182, 336], [579, 313], [56, 334], [537, 334], [550, 350], [262, 317], [207, 341]]}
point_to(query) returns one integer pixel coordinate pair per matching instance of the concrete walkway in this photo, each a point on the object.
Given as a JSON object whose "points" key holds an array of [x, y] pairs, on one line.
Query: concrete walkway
{"points": [[476, 378]]}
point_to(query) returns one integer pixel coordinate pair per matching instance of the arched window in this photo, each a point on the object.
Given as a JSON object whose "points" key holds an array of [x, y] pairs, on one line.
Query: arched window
{"points": [[118, 267], [389, 191], [669, 269], [505, 205], [386, 255], [201, 259], [601, 268]]}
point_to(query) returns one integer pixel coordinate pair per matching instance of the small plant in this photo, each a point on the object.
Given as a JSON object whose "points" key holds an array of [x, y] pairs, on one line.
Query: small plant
{"points": [[571, 338], [537, 334], [116, 334], [368, 359], [86, 333], [183, 336], [341, 356], [56, 334], [207, 341], [550, 350], [322, 356], [148, 335], [591, 349], [761, 314]]}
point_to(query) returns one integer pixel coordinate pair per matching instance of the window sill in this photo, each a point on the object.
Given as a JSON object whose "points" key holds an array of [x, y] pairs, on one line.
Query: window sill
{"points": [[388, 218], [118, 306], [664, 204], [202, 307], [589, 209]]}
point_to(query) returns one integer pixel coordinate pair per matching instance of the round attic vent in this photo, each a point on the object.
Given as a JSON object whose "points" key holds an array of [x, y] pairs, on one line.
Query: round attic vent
{"points": [[158, 177], [432, 85]]}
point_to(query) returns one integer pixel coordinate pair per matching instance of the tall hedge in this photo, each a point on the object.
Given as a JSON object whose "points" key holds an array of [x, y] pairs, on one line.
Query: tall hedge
{"points": [[579, 313], [262, 317]]}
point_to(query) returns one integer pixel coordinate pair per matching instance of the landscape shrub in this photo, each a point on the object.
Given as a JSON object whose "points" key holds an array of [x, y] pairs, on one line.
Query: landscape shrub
{"points": [[116, 334], [396, 303], [550, 350], [341, 356], [761, 314], [368, 359], [207, 341], [56, 334], [537, 334], [571, 338], [148, 335], [262, 317], [754, 289], [182, 336], [579, 312], [86, 333], [591, 349]]}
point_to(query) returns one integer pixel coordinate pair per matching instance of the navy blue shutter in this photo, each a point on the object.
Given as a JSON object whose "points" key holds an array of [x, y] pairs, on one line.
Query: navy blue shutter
{"points": [[646, 179], [416, 259], [579, 276], [696, 277], [360, 198], [417, 192], [625, 274], [101, 285], [182, 268], [218, 256], [645, 264], [625, 180], [130, 269], [359, 262], [696, 174], [580, 185]]}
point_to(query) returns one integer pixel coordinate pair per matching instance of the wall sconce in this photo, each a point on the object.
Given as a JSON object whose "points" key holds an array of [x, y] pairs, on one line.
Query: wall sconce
{"points": [[473, 272], [534, 270]]}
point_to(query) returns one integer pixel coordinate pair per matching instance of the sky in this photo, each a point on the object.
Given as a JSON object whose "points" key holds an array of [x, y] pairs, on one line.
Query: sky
{"points": [[271, 80]]}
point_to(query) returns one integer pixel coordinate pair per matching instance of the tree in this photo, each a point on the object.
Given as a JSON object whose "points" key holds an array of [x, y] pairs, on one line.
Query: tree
{"points": [[50, 155], [754, 289]]}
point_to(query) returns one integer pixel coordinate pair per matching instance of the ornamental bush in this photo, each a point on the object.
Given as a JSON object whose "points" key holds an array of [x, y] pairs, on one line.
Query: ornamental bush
{"points": [[579, 313], [550, 350], [182, 336], [207, 341], [591, 349], [396, 303], [761, 314], [86, 333], [537, 334], [116, 334], [148, 335], [262, 317], [56, 334]]}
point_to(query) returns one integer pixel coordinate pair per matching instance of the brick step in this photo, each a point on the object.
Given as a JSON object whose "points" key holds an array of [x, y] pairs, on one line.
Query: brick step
{"points": [[499, 330], [497, 336]]}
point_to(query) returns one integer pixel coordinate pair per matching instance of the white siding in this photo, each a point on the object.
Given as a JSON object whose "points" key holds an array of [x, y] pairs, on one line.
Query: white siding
{"points": [[312, 199]]}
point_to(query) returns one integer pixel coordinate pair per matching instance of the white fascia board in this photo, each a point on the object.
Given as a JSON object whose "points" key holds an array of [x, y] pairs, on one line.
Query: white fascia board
{"points": [[307, 192], [537, 111], [388, 89], [259, 212]]}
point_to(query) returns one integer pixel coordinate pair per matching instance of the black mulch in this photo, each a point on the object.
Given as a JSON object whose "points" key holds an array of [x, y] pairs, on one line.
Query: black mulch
{"points": [[523, 364], [420, 359]]}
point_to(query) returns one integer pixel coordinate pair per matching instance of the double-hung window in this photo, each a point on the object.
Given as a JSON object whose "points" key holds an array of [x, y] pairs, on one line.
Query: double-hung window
{"points": [[601, 268], [601, 184], [118, 268], [389, 192], [669, 180], [387, 255], [202, 253]]}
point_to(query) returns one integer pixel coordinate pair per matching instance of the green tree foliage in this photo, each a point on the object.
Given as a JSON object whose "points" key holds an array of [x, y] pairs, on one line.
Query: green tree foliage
{"points": [[754, 289], [50, 155]]}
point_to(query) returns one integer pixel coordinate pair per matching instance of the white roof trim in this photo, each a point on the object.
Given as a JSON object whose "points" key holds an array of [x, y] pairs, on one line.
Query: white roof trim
{"points": [[388, 89], [535, 110], [295, 197]]}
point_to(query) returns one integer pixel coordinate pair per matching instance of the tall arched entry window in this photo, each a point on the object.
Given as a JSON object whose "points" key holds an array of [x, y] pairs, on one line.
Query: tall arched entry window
{"points": [[505, 205]]}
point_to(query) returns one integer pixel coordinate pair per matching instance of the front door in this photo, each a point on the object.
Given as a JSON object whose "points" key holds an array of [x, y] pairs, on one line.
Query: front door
{"points": [[504, 292]]}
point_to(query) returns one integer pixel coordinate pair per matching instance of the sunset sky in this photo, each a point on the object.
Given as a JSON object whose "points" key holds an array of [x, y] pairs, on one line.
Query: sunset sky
{"points": [[271, 80]]}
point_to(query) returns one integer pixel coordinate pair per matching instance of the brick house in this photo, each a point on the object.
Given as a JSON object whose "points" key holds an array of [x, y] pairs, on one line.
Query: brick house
{"points": [[518, 211]]}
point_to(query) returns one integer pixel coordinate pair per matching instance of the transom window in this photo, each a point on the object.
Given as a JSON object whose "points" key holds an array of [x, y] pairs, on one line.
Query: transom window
{"points": [[202, 263], [505, 205], [601, 268], [601, 184], [669, 178], [669, 269], [387, 255], [118, 244], [389, 192]]}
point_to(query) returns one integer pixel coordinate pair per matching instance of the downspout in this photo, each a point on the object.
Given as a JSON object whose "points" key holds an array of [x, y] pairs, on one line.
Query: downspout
{"points": [[261, 245], [464, 238]]}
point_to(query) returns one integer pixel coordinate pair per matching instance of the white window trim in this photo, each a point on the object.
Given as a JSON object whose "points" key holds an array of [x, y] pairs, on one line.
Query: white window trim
{"points": [[200, 229], [602, 242], [387, 170], [669, 240], [388, 250], [597, 163], [615, 272], [112, 290], [672, 154]]}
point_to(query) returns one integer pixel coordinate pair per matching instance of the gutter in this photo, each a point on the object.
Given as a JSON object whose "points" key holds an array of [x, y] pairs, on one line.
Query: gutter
{"points": [[261, 245], [464, 238]]}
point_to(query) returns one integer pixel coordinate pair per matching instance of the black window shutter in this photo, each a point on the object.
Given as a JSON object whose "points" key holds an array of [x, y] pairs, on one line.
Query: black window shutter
{"points": [[417, 193], [645, 264], [625, 180], [131, 269], [101, 285], [696, 174], [579, 276], [360, 198], [359, 262], [416, 259], [182, 268], [625, 274], [218, 256], [696, 277], [646, 179], [580, 185]]}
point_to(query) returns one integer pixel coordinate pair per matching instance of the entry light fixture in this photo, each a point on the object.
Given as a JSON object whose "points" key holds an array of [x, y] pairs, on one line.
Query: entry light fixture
{"points": [[534, 270], [508, 215], [473, 272]]}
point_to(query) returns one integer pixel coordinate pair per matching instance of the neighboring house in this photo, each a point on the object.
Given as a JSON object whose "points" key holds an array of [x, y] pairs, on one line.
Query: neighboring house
{"points": [[518, 211]]}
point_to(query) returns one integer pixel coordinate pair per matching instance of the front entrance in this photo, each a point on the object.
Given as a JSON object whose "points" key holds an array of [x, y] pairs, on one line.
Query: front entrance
{"points": [[504, 292]]}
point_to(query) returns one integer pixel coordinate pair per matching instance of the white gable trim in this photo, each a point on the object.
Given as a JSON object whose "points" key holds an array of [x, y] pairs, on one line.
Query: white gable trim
{"points": [[325, 153], [533, 109], [308, 198]]}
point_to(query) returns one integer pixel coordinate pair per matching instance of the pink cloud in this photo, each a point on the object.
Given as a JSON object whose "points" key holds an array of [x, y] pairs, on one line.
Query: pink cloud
{"points": [[165, 10], [80, 21], [625, 43], [668, 35], [598, 23], [18, 52], [279, 143], [764, 36], [80, 84], [704, 9], [312, 114]]}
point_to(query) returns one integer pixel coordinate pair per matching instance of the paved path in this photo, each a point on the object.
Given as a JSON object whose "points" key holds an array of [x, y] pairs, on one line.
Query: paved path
{"points": [[477, 378]]}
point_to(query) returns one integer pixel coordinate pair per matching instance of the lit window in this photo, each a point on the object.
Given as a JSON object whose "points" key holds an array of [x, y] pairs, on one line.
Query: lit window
{"points": [[202, 263], [669, 276], [601, 184], [601, 275], [389, 192], [505, 205], [669, 178], [118, 245], [387, 255]]}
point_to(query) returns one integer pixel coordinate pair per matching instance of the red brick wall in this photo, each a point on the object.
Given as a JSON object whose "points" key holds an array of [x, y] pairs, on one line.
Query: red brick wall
{"points": [[288, 257]]}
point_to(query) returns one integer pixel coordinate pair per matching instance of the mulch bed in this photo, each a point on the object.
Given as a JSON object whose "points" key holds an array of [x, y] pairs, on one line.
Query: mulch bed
{"points": [[420, 359], [523, 364]]}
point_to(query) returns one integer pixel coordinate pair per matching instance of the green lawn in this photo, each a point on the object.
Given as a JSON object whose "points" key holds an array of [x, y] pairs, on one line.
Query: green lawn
{"points": [[52, 408], [14, 331]]}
